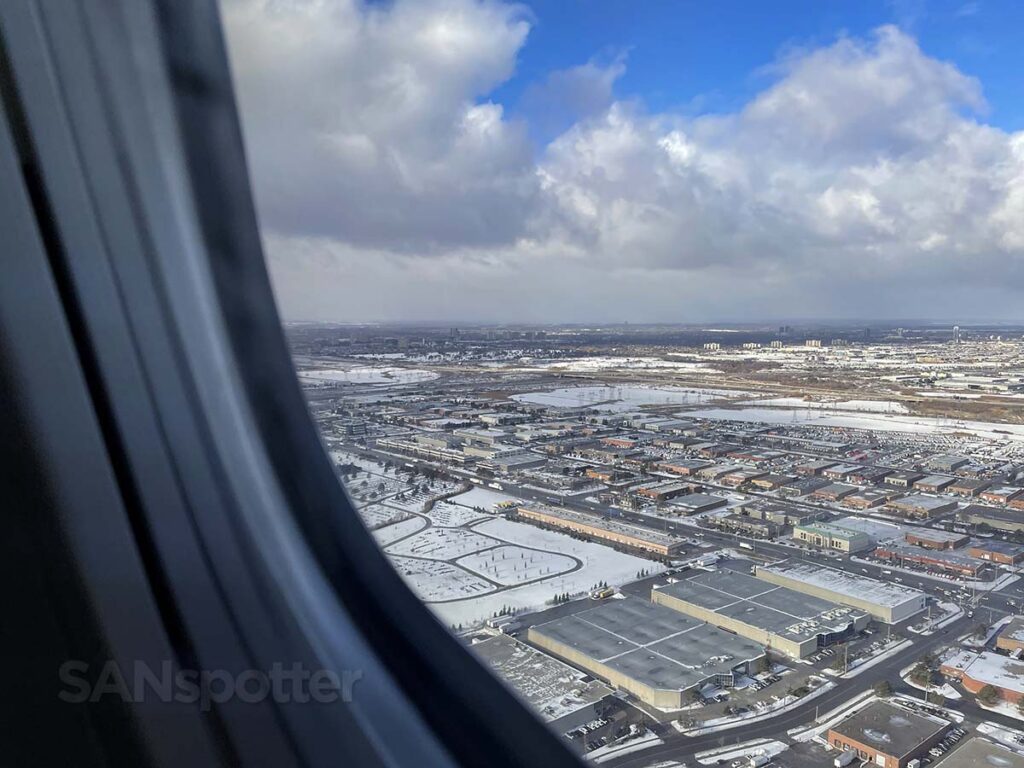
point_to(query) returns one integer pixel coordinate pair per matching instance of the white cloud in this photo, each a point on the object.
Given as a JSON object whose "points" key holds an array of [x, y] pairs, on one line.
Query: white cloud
{"points": [[861, 181]]}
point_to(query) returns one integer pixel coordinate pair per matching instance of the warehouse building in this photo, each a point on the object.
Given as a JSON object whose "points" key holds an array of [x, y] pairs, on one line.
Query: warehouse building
{"points": [[934, 538], [937, 560], [612, 531], [834, 492], [744, 524], [803, 487], [947, 462], [696, 503], [782, 513], [1011, 637], [969, 486], [1002, 494], [993, 517], [885, 601], [887, 735], [777, 617], [813, 468], [975, 670], [903, 479], [869, 498], [977, 752], [829, 536], [933, 484], [996, 551], [921, 507], [652, 652], [660, 491]]}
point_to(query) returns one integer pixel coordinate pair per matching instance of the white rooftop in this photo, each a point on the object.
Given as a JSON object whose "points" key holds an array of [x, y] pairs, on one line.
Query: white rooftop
{"points": [[841, 582]]}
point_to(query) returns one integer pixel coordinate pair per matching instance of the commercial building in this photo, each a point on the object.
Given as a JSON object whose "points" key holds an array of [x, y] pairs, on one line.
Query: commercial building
{"points": [[777, 617], [996, 551], [782, 513], [1011, 637], [869, 498], [887, 735], [662, 490], [652, 652], [934, 538], [813, 468], [947, 462], [803, 487], [563, 696], [685, 467], [696, 503], [834, 492], [969, 486], [977, 752], [938, 560], [934, 483], [772, 482], [1002, 494], [744, 524], [885, 601], [975, 670], [614, 531], [829, 536], [993, 517], [920, 507], [903, 479]]}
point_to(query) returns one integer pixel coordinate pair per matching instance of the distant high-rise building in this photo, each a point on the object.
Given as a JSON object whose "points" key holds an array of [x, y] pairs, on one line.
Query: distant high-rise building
{"points": [[956, 334], [812, 343]]}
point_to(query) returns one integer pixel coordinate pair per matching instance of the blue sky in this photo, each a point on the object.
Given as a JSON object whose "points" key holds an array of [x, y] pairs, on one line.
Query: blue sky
{"points": [[712, 56]]}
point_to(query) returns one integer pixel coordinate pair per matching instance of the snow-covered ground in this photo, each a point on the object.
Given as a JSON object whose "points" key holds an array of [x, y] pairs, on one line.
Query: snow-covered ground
{"points": [[484, 498], [864, 406], [399, 530], [442, 544], [513, 565], [434, 581], [600, 563], [625, 398], [627, 746], [448, 515], [754, 748], [877, 422], [365, 375]]}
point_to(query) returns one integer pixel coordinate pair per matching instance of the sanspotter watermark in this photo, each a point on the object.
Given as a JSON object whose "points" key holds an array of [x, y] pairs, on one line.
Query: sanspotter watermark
{"points": [[83, 683]]}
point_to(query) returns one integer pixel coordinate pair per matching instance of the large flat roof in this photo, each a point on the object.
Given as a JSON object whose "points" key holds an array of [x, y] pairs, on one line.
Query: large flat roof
{"points": [[844, 583], [889, 729], [553, 688], [982, 753], [653, 645], [989, 668], [779, 610]]}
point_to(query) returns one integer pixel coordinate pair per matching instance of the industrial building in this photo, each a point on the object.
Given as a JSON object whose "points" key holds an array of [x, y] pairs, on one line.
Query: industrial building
{"points": [[933, 484], [744, 524], [993, 517], [829, 536], [564, 697], [982, 752], [887, 735], [834, 492], [975, 670], [1011, 637], [885, 601], [1002, 494], [969, 486], [780, 618], [652, 652], [935, 538], [938, 560], [695, 503], [996, 551], [614, 531], [782, 513], [921, 507]]}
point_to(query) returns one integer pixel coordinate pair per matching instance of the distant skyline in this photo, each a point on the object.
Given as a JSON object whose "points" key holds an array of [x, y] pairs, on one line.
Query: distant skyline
{"points": [[600, 161]]}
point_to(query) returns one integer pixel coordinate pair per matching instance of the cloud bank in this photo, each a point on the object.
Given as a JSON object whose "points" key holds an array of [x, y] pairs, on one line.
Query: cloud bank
{"points": [[862, 181]]}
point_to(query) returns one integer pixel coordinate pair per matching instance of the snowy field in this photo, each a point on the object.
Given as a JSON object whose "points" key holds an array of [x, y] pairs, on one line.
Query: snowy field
{"points": [[436, 581], [392, 533], [622, 398], [600, 563], [365, 375], [513, 565], [880, 422], [864, 406], [448, 515], [484, 498], [442, 544]]}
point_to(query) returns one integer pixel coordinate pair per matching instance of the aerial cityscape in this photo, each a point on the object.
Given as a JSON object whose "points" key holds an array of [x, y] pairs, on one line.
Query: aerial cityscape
{"points": [[750, 545], [673, 353]]}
